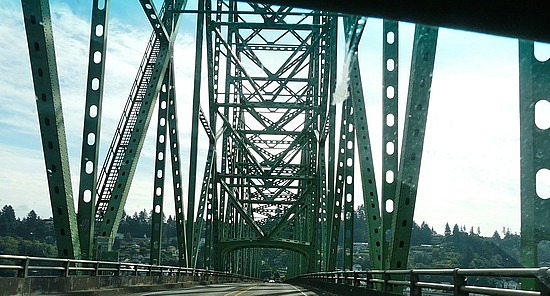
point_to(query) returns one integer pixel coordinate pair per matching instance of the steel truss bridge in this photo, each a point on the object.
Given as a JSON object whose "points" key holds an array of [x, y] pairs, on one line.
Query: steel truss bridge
{"points": [[280, 166]]}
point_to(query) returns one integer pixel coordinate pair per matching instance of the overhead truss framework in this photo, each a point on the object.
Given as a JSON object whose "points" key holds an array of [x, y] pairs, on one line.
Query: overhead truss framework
{"points": [[277, 174], [270, 112]]}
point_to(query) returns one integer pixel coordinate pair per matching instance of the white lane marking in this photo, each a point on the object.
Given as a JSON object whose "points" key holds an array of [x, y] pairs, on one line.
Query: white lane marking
{"points": [[298, 290]]}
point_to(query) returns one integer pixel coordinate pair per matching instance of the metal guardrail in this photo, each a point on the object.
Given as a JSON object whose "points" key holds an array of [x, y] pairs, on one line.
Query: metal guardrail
{"points": [[415, 280], [25, 266]]}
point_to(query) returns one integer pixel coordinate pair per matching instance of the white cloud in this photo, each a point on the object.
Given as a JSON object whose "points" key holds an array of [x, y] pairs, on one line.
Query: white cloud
{"points": [[470, 164], [18, 118]]}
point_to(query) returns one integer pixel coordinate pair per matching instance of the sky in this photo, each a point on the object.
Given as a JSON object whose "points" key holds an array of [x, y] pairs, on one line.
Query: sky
{"points": [[470, 171]]}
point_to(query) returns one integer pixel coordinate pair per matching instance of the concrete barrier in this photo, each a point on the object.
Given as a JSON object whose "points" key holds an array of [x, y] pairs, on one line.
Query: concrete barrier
{"points": [[103, 285]]}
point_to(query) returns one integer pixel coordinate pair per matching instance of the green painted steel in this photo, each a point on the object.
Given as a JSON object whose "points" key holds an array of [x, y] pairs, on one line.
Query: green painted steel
{"points": [[195, 133], [353, 27], [368, 181], [177, 182], [267, 187], [339, 187], [534, 78], [40, 42], [348, 196], [198, 226], [121, 161], [390, 131], [420, 81], [161, 31], [92, 127], [160, 169], [272, 181]]}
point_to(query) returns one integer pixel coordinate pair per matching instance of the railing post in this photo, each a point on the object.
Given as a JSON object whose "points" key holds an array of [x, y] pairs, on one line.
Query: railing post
{"points": [[386, 287], [415, 290], [150, 270], [356, 282], [118, 269], [543, 281], [136, 270], [25, 264], [67, 269], [96, 269], [370, 284], [459, 281]]}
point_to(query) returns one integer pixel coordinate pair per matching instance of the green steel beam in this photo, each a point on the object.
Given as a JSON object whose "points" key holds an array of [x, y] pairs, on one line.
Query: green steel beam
{"points": [[160, 159], [534, 77], [353, 27], [368, 181], [160, 169], [177, 182], [40, 42], [122, 158], [211, 254], [270, 119], [240, 209], [290, 214], [330, 131], [348, 197], [92, 127], [152, 15], [339, 186], [205, 191], [229, 246], [390, 131], [195, 129], [423, 56]]}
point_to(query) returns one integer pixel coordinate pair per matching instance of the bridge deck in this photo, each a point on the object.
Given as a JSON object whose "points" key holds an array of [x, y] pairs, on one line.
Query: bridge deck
{"points": [[241, 289]]}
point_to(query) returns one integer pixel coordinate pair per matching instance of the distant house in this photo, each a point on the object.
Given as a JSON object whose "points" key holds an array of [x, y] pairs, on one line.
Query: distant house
{"points": [[512, 285]]}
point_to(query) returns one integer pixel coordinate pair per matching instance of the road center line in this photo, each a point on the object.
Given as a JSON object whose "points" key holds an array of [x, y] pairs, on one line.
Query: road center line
{"points": [[298, 290], [240, 291]]}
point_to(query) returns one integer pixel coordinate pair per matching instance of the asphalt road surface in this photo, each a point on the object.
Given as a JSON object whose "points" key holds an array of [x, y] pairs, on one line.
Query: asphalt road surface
{"points": [[240, 289]]}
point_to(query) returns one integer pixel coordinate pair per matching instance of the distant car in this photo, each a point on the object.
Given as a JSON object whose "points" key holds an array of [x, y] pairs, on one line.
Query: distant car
{"points": [[271, 281]]}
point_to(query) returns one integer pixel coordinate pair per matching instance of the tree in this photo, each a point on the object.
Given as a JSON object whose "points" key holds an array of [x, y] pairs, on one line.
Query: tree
{"points": [[456, 230], [8, 221], [32, 227], [447, 229], [421, 234]]}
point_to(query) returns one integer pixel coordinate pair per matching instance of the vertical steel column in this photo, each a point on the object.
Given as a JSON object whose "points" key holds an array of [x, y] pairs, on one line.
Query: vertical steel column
{"points": [[206, 190], [390, 130], [348, 198], [332, 157], [324, 184], [121, 161], [212, 255], [340, 184], [92, 127], [353, 27], [368, 181], [213, 54], [195, 126], [424, 46], [534, 80], [160, 167], [176, 173], [40, 42]]}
